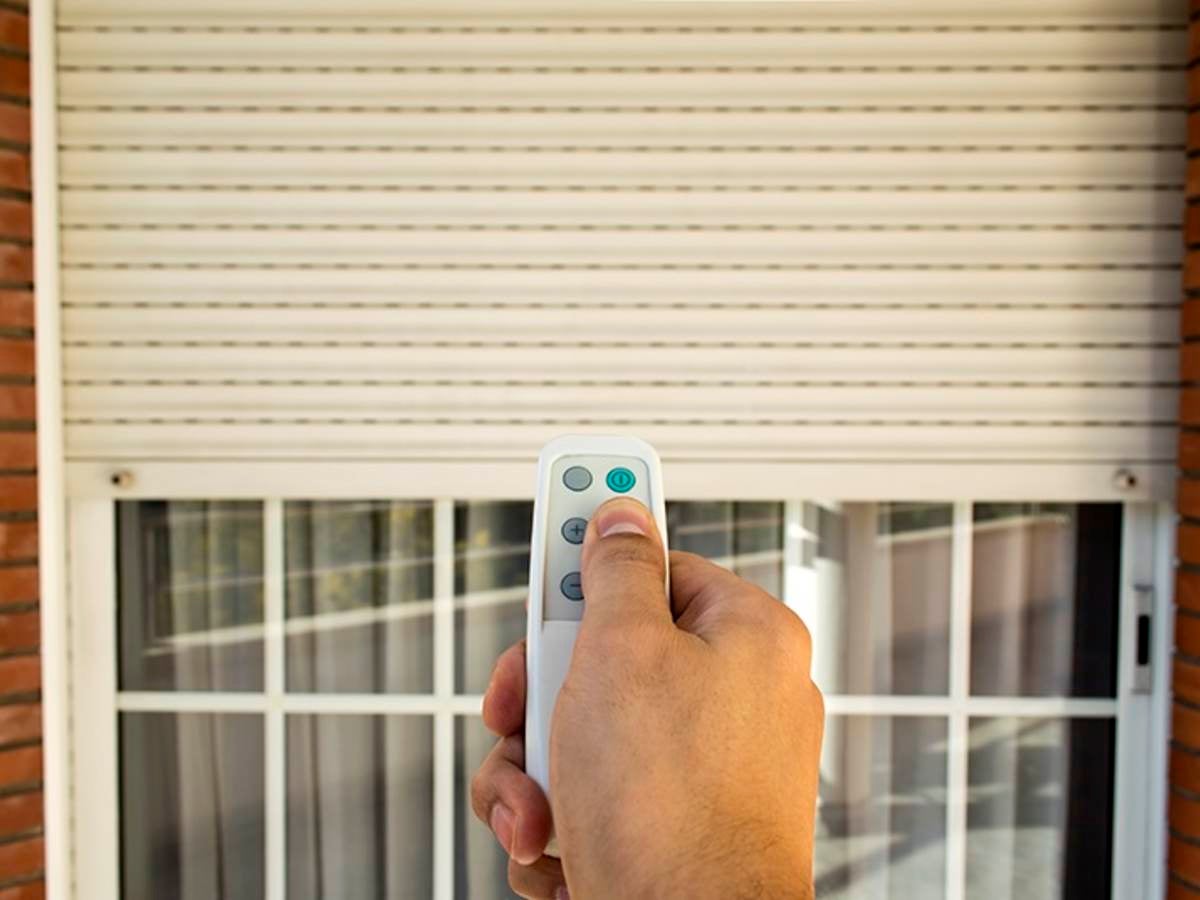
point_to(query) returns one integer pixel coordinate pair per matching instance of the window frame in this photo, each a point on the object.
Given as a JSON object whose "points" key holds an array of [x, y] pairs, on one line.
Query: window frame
{"points": [[1139, 800]]}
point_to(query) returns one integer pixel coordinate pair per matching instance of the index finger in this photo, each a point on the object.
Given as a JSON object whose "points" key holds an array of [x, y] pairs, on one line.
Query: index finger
{"points": [[504, 701]]}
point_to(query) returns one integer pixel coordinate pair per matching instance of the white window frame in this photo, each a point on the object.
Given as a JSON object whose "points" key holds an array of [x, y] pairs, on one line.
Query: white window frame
{"points": [[78, 587], [1141, 751]]}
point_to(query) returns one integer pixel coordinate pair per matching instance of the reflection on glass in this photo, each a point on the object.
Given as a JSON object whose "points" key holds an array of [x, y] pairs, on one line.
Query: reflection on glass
{"points": [[192, 822], [480, 866], [190, 595], [881, 820], [1044, 599], [873, 585], [491, 584], [746, 537], [359, 595], [359, 807], [1039, 813]]}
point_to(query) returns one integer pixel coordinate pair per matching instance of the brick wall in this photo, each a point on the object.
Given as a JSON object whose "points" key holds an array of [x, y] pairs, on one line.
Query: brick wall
{"points": [[21, 856], [1184, 812]]}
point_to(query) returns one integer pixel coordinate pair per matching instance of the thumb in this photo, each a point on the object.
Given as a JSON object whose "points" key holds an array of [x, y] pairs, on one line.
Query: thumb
{"points": [[623, 568]]}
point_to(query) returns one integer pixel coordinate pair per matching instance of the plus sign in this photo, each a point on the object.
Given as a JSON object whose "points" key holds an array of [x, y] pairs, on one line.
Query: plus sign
{"points": [[577, 530]]}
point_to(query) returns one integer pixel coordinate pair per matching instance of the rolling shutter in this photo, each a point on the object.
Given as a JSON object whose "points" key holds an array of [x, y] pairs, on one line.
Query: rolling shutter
{"points": [[901, 230]]}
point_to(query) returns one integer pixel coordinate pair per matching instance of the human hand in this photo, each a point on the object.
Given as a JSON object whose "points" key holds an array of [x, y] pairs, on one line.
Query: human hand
{"points": [[685, 741]]}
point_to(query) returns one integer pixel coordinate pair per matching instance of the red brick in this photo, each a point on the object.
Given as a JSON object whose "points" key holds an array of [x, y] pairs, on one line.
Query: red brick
{"points": [[1184, 815], [1184, 860], [1187, 590], [1187, 684], [22, 858], [18, 492], [14, 123], [16, 309], [18, 584], [1187, 496], [16, 262], [1187, 635], [1190, 321], [18, 450], [16, 356], [31, 890], [1175, 891], [14, 30], [20, 766], [1185, 725], [19, 540], [20, 631], [1188, 545], [18, 403], [20, 722], [1189, 358], [14, 77], [16, 218], [21, 812], [23, 675], [14, 170], [1192, 187]]}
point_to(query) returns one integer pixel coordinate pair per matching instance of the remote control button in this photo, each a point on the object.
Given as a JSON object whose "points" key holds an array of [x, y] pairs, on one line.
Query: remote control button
{"points": [[571, 586], [573, 530], [577, 478], [620, 480]]}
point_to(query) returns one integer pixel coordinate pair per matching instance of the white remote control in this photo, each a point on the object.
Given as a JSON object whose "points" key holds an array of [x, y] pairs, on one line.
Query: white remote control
{"points": [[576, 474]]}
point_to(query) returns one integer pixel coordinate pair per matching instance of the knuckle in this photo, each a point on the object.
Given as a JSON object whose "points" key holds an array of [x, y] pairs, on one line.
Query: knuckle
{"points": [[793, 634]]}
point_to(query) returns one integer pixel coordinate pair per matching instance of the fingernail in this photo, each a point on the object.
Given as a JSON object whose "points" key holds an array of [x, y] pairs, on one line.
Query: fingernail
{"points": [[503, 824], [560, 893], [622, 517]]}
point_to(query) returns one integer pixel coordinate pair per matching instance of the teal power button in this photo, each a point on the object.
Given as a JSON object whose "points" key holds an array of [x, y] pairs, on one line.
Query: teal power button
{"points": [[620, 480]]}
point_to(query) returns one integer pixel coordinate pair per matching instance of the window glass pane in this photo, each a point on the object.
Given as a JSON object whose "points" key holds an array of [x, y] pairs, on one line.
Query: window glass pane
{"points": [[1039, 812], [873, 586], [190, 595], [491, 585], [746, 537], [881, 820], [1044, 600], [360, 807], [480, 866], [359, 596], [191, 806]]}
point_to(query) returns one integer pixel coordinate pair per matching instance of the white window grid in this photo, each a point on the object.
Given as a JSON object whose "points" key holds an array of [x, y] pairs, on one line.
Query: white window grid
{"points": [[1139, 789]]}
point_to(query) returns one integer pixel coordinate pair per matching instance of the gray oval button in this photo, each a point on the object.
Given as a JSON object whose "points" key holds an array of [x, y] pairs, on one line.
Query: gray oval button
{"points": [[572, 586], [573, 530], [577, 478]]}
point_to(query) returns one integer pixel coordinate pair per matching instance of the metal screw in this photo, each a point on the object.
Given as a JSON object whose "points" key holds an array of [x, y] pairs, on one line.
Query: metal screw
{"points": [[122, 478], [1124, 480]]}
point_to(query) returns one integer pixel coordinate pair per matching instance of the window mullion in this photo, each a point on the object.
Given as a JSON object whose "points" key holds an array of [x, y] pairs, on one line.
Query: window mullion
{"points": [[960, 689], [275, 742], [443, 687]]}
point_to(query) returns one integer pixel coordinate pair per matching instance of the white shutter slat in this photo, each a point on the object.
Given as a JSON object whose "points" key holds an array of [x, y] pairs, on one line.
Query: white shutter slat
{"points": [[647, 360], [784, 44], [741, 437], [597, 87], [800, 122], [462, 399], [362, 209], [877, 231], [1062, 325], [1096, 284], [621, 247]]}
